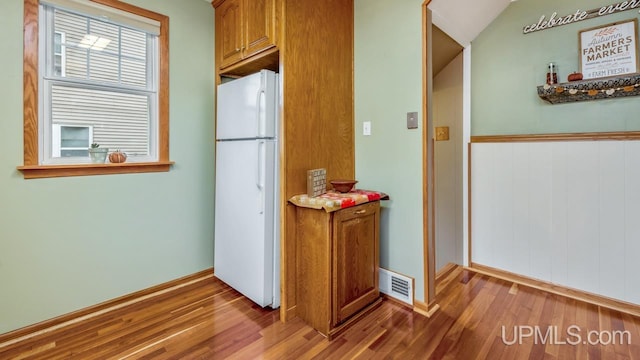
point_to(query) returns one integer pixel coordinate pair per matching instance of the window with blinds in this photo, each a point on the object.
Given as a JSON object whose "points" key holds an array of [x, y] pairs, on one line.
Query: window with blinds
{"points": [[99, 76]]}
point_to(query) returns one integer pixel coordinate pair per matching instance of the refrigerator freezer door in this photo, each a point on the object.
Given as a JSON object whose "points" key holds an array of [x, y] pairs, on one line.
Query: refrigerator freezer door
{"points": [[244, 217], [247, 107]]}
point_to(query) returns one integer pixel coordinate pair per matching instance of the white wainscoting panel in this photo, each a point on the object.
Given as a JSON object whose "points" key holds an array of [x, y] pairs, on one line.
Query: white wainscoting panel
{"points": [[540, 221], [582, 216], [562, 212], [612, 218], [559, 251], [632, 222]]}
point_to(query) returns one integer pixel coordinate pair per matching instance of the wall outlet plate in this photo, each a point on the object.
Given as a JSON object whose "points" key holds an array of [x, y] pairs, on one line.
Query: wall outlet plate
{"points": [[412, 120]]}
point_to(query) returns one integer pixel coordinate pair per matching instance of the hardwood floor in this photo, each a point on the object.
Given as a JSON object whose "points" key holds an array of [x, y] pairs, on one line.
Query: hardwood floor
{"points": [[209, 320]]}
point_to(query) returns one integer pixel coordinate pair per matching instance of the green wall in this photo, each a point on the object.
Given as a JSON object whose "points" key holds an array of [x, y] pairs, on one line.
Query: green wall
{"points": [[69, 243], [507, 66], [388, 84]]}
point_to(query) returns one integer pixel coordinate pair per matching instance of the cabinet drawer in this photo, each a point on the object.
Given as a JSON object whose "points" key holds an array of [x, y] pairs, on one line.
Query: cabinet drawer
{"points": [[358, 211]]}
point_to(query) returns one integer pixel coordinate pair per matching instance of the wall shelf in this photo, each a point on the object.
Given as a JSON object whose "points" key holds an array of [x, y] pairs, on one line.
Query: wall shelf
{"points": [[592, 89]]}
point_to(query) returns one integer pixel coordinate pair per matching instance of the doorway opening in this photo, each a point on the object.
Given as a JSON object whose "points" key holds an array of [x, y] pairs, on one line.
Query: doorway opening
{"points": [[442, 63], [447, 115]]}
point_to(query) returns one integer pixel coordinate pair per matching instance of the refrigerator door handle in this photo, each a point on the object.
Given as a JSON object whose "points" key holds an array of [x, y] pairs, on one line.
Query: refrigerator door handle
{"points": [[262, 120], [261, 176]]}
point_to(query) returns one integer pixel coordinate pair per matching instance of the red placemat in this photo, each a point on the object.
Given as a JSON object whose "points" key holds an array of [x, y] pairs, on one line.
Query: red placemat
{"points": [[332, 200]]}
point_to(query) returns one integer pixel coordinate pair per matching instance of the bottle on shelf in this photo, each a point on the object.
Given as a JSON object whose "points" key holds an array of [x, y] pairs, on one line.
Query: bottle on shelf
{"points": [[552, 74]]}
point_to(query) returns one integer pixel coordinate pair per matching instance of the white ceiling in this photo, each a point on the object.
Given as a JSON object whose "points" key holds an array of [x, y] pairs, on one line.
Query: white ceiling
{"points": [[463, 20]]}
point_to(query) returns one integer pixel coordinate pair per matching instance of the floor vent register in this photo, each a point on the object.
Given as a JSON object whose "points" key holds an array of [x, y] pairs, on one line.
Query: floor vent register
{"points": [[397, 286]]}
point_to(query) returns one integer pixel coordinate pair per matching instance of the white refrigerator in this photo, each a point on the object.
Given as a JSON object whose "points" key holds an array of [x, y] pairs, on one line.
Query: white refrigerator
{"points": [[247, 241]]}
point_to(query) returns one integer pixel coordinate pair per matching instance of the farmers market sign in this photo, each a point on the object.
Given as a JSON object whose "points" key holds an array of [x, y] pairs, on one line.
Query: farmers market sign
{"points": [[609, 50], [554, 20]]}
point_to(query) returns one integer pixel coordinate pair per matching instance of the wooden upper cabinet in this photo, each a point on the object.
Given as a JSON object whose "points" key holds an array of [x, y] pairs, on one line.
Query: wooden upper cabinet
{"points": [[244, 28], [260, 30], [228, 32]]}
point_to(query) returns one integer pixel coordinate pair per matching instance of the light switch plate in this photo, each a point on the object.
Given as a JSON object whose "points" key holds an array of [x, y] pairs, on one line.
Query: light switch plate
{"points": [[412, 120], [366, 128]]}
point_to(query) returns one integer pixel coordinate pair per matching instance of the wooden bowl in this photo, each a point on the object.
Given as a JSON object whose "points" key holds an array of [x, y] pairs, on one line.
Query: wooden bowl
{"points": [[343, 186]]}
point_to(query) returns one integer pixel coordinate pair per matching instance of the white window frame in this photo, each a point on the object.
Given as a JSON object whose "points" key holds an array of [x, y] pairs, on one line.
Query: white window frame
{"points": [[47, 80]]}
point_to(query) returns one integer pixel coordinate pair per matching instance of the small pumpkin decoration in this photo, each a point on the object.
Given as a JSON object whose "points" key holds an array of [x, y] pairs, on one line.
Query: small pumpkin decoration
{"points": [[576, 76], [117, 157]]}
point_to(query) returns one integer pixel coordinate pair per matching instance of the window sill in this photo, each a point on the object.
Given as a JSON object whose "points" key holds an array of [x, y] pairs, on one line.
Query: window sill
{"points": [[62, 170]]}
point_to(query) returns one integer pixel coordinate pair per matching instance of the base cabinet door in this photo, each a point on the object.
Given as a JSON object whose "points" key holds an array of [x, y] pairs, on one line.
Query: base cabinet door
{"points": [[355, 259]]}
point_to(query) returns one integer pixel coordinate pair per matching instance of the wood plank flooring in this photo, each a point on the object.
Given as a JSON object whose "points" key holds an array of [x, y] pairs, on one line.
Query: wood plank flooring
{"points": [[209, 320]]}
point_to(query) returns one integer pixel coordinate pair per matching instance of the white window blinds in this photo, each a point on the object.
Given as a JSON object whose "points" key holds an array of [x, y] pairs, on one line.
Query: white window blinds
{"points": [[107, 13]]}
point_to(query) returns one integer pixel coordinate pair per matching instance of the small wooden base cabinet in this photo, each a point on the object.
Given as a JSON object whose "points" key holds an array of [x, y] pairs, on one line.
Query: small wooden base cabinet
{"points": [[337, 265]]}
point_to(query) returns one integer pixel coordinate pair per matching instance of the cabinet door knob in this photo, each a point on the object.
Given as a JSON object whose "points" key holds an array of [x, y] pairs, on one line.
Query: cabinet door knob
{"points": [[360, 212]]}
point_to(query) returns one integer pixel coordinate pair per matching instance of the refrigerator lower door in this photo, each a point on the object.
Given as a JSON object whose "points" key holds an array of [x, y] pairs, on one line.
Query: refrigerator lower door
{"points": [[244, 217]]}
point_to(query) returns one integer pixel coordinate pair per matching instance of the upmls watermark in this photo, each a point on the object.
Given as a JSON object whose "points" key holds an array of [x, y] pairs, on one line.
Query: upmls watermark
{"points": [[572, 335]]}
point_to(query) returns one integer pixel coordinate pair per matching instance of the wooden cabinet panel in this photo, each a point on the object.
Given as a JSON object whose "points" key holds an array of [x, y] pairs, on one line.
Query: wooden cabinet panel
{"points": [[316, 58], [313, 263]]}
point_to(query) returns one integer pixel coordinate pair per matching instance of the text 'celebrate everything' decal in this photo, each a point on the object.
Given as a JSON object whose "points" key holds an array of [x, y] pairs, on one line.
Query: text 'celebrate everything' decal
{"points": [[554, 20]]}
